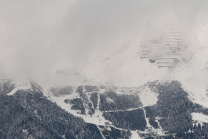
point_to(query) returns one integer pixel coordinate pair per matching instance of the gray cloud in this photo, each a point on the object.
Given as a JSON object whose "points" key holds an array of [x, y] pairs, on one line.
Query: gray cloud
{"points": [[44, 36]]}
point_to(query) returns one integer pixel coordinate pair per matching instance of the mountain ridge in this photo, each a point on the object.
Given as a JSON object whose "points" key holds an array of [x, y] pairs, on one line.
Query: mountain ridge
{"points": [[108, 106]]}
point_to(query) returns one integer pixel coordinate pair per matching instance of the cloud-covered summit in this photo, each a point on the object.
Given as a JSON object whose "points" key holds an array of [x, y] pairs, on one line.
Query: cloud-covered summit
{"points": [[45, 36]]}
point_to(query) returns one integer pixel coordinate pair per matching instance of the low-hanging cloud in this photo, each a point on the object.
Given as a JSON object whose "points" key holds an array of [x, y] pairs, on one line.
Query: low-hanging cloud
{"points": [[45, 36]]}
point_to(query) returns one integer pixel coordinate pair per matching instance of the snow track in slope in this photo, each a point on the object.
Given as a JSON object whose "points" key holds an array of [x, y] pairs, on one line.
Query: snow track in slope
{"points": [[147, 119], [20, 86], [101, 132], [96, 118]]}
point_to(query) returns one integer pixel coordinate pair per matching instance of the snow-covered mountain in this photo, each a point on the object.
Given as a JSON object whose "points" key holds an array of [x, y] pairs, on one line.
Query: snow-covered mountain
{"points": [[155, 90], [155, 109]]}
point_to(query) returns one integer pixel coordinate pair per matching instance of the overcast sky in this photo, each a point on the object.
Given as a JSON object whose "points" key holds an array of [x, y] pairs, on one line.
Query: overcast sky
{"points": [[42, 36]]}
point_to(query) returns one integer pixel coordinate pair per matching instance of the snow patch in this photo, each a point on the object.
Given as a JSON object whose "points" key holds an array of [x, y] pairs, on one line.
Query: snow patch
{"points": [[198, 95], [202, 102], [160, 130], [102, 91], [24, 130], [199, 117], [20, 86], [109, 100], [147, 97], [73, 96], [199, 98], [151, 129], [134, 135], [119, 92]]}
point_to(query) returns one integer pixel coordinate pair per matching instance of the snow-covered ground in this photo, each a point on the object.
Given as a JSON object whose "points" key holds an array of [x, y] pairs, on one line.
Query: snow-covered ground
{"points": [[147, 97], [147, 119], [199, 117], [20, 85], [96, 118], [200, 97], [135, 135], [150, 128]]}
